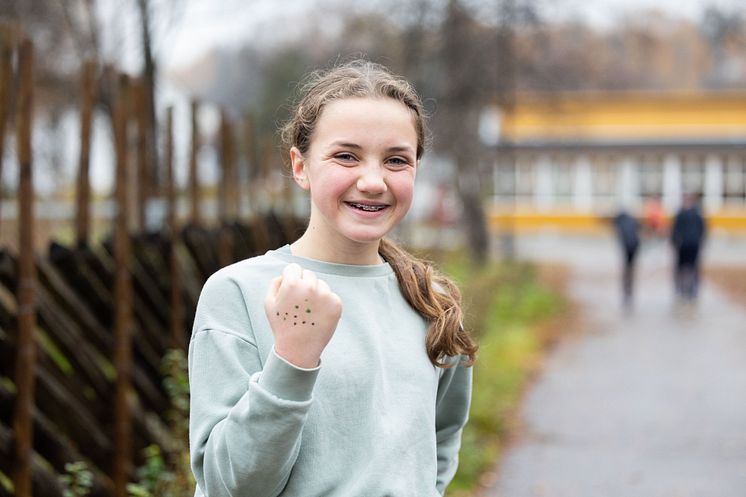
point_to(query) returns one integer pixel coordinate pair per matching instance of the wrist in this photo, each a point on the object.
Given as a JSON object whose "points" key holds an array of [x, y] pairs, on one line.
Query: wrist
{"points": [[287, 381], [298, 358]]}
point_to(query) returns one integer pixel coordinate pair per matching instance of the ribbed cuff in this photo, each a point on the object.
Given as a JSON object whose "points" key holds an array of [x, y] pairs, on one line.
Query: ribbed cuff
{"points": [[287, 381]]}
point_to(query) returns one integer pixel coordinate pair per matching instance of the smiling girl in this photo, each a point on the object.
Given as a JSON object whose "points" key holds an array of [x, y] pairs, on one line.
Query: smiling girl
{"points": [[336, 366]]}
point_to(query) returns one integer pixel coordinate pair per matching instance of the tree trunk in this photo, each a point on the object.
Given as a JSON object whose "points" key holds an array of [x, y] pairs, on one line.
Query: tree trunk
{"points": [[149, 77]]}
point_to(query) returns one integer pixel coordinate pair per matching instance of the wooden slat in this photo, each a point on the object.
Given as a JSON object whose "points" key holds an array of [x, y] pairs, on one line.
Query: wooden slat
{"points": [[56, 447], [195, 214], [230, 173], [83, 193], [251, 161], [26, 348], [139, 90], [150, 343], [175, 299], [45, 483], [69, 339], [79, 418], [202, 247], [190, 277], [67, 298], [123, 302], [93, 286], [260, 233], [227, 199], [6, 55]]}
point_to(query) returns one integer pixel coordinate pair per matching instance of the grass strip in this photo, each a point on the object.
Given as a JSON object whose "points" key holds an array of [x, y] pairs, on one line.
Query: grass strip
{"points": [[508, 308]]}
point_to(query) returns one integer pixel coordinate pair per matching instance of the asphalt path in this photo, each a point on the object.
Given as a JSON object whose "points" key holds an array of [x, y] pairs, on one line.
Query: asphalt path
{"points": [[648, 401]]}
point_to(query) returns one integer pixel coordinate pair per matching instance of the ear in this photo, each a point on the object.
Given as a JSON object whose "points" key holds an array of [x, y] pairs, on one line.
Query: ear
{"points": [[299, 168]]}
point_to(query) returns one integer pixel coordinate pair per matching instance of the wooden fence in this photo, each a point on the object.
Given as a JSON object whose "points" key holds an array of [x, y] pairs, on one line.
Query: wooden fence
{"points": [[84, 328]]}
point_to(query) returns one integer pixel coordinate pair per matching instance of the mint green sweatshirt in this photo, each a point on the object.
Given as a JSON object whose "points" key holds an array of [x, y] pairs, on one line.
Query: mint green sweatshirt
{"points": [[375, 419]]}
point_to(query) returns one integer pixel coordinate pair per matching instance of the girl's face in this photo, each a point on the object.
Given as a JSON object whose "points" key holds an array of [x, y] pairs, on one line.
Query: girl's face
{"points": [[360, 169]]}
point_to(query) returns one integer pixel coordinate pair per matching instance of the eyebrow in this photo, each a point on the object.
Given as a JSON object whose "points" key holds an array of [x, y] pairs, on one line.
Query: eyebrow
{"points": [[396, 148]]}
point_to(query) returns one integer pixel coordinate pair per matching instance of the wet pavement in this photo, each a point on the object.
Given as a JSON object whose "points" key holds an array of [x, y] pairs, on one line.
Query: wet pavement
{"points": [[648, 402]]}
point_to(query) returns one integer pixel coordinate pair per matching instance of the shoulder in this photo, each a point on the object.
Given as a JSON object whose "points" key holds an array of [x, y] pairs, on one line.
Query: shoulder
{"points": [[233, 296], [239, 283]]}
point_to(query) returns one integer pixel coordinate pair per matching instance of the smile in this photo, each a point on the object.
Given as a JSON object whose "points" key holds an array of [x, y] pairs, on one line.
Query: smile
{"points": [[366, 207]]}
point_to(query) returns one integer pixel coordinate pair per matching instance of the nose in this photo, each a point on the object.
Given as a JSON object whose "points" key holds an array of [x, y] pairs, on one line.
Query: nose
{"points": [[372, 179]]}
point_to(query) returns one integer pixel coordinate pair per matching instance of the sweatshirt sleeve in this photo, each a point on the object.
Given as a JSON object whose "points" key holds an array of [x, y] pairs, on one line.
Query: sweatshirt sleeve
{"points": [[451, 415], [246, 418]]}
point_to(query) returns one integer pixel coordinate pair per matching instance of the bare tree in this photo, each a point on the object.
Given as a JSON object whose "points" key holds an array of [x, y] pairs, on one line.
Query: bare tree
{"points": [[725, 32], [461, 104]]}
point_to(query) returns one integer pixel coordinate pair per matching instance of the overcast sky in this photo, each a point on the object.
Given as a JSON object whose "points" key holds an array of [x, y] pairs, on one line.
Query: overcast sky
{"points": [[204, 24], [182, 37]]}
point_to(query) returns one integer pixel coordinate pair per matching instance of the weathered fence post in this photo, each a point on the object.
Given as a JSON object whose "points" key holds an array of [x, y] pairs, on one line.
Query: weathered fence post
{"points": [[227, 199], [143, 169], [122, 298], [6, 54], [83, 194], [176, 303], [251, 161], [26, 348], [193, 173]]}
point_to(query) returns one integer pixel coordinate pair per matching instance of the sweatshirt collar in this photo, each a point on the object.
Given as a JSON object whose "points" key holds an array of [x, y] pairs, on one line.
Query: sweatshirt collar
{"points": [[322, 267]]}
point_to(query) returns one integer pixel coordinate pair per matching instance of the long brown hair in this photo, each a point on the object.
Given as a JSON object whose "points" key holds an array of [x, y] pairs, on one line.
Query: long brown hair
{"points": [[437, 299], [434, 296]]}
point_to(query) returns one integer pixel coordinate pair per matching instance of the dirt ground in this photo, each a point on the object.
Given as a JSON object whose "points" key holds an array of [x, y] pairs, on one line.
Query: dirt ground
{"points": [[732, 280]]}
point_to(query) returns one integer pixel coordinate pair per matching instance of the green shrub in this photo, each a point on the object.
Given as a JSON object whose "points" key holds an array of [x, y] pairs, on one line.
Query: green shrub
{"points": [[77, 480], [169, 474], [505, 307]]}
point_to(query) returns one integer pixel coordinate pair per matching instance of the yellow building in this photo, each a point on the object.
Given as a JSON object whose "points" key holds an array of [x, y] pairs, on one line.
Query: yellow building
{"points": [[571, 159]]}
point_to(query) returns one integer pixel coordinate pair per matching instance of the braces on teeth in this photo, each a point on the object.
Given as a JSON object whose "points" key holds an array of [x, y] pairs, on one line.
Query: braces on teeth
{"points": [[370, 208]]}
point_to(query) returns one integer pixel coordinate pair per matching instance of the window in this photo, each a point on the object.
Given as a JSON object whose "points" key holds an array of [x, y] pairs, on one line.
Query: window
{"points": [[735, 181], [525, 176], [651, 176], [692, 174], [504, 178], [562, 179], [604, 176]]}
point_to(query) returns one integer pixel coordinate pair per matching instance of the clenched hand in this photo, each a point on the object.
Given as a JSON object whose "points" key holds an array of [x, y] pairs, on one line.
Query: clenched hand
{"points": [[303, 313]]}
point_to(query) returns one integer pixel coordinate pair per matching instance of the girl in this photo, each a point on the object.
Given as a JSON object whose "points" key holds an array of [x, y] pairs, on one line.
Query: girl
{"points": [[335, 366]]}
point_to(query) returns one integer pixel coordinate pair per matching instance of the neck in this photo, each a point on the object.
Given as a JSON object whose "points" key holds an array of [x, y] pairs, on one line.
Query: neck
{"points": [[312, 247]]}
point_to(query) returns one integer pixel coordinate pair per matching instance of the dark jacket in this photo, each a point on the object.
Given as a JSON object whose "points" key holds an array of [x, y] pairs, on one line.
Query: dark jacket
{"points": [[627, 229], [688, 228]]}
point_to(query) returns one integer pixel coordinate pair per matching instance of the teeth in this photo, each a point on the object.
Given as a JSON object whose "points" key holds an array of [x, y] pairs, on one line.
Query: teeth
{"points": [[369, 208]]}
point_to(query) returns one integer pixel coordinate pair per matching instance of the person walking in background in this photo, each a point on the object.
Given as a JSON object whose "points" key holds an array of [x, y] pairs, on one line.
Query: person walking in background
{"points": [[687, 236], [336, 365], [628, 233]]}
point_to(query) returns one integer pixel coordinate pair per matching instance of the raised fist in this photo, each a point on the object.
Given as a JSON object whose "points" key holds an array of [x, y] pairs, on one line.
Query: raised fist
{"points": [[303, 313]]}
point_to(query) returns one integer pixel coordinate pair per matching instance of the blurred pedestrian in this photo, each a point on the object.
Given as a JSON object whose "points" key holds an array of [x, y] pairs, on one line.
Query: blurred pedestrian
{"points": [[687, 236], [628, 233]]}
